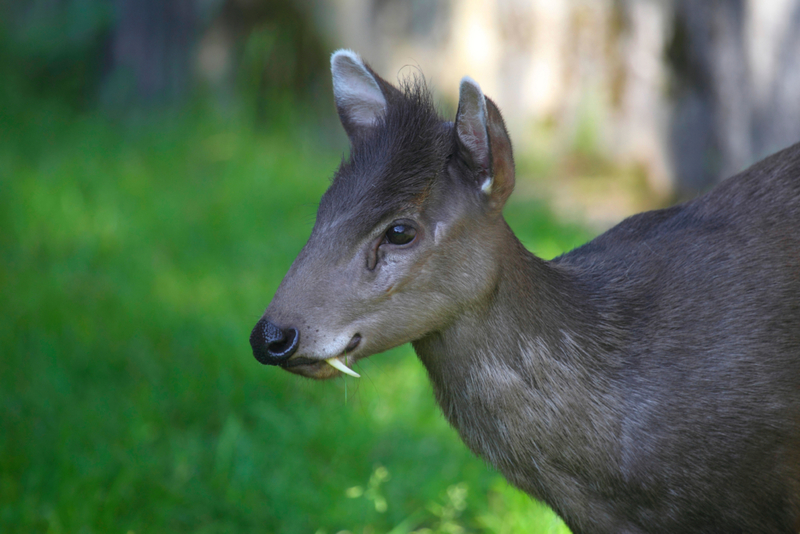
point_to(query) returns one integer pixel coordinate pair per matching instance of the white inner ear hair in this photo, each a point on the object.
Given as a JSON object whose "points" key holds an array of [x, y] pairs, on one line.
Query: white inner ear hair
{"points": [[471, 124], [362, 111], [355, 89]]}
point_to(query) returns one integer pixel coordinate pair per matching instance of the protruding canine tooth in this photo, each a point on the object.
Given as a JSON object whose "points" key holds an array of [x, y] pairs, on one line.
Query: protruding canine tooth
{"points": [[336, 363]]}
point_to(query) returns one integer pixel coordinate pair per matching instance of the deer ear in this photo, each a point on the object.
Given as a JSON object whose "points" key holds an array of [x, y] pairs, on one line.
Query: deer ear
{"points": [[357, 92], [483, 143], [473, 139]]}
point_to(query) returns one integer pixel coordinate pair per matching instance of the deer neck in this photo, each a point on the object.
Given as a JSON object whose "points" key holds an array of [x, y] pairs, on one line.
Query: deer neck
{"points": [[523, 377]]}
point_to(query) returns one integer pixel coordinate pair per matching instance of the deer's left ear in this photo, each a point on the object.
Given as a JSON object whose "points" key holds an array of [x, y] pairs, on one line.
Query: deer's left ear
{"points": [[360, 94], [483, 143]]}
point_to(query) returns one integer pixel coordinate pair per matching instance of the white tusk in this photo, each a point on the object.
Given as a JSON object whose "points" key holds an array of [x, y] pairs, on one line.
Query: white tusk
{"points": [[336, 363]]}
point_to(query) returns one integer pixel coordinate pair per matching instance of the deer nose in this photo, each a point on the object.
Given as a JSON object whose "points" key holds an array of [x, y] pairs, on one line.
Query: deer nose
{"points": [[271, 345]]}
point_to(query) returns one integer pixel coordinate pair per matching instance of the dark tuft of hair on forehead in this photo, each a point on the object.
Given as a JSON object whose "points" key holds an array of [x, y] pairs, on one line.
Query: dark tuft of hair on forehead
{"points": [[393, 165]]}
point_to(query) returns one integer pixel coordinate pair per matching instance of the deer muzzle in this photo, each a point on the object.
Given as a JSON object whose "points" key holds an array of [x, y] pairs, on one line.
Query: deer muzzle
{"points": [[273, 345]]}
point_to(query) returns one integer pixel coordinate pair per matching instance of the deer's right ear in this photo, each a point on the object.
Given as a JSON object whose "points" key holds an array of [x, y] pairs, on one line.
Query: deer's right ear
{"points": [[483, 143], [357, 92]]}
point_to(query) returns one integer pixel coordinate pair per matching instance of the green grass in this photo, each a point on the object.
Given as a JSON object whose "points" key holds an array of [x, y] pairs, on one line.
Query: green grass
{"points": [[134, 262]]}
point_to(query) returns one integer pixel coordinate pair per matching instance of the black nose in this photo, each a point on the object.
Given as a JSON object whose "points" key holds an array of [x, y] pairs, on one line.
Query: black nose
{"points": [[271, 345]]}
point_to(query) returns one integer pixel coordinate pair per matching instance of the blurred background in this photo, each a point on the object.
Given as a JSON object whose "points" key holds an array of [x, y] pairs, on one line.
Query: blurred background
{"points": [[160, 165]]}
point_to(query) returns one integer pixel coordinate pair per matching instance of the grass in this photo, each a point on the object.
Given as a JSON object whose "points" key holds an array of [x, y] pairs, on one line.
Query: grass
{"points": [[134, 262]]}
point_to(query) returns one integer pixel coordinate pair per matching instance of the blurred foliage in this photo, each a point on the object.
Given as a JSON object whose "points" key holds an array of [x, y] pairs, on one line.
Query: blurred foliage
{"points": [[123, 56], [283, 51], [54, 48]]}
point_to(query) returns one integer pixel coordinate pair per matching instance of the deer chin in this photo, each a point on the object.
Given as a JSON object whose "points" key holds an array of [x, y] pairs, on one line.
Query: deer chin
{"points": [[321, 369], [324, 368]]}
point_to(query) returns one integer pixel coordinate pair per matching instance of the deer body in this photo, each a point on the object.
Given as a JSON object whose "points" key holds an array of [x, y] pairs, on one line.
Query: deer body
{"points": [[644, 429], [648, 381]]}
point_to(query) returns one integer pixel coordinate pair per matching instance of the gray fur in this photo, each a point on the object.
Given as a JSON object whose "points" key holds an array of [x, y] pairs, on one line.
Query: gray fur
{"points": [[646, 382]]}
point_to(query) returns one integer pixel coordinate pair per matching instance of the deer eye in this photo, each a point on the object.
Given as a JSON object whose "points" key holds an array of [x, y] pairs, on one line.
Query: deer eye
{"points": [[400, 234]]}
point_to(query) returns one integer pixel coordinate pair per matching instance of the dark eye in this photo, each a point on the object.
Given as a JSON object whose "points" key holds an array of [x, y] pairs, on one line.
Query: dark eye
{"points": [[400, 234]]}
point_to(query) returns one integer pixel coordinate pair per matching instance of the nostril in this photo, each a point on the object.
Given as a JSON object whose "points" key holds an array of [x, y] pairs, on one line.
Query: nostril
{"points": [[285, 347], [271, 345]]}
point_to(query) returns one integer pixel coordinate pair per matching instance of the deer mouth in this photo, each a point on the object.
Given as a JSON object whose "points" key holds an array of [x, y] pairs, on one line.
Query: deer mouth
{"points": [[299, 361], [317, 368]]}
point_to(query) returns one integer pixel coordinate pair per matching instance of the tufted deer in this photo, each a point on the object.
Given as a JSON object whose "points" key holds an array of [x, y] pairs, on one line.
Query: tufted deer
{"points": [[648, 381]]}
